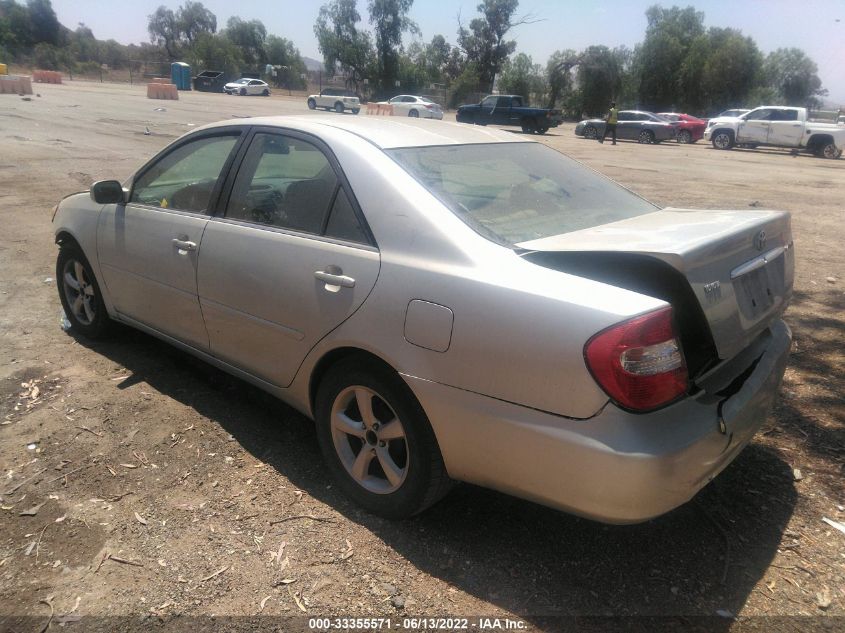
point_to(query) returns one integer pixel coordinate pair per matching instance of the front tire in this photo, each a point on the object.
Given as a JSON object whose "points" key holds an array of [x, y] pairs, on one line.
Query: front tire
{"points": [[312, 105], [646, 137], [377, 441], [80, 293], [243, 92], [723, 139], [590, 132]]}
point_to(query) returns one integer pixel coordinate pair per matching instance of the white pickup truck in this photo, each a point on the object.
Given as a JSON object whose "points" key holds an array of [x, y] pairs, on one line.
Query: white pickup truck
{"points": [[777, 126]]}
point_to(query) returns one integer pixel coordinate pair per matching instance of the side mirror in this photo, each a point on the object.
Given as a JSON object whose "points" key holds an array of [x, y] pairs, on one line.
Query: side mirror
{"points": [[108, 192]]}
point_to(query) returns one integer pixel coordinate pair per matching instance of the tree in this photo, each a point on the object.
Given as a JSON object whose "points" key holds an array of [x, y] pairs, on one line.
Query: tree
{"points": [[559, 74], [390, 20], [249, 36], [15, 27], [732, 70], [281, 53], [794, 77], [432, 62], [341, 42], [600, 79], [164, 31], [84, 45], [45, 24], [484, 41], [193, 18], [669, 36], [216, 52], [521, 76]]}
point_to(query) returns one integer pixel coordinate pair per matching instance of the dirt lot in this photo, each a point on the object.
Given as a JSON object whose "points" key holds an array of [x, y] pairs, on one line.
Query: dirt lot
{"points": [[138, 481]]}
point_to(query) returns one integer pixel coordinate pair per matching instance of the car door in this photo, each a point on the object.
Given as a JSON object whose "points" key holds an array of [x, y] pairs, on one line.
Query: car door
{"points": [[785, 129], [149, 247], [288, 262], [754, 126], [626, 125], [488, 106], [400, 108]]}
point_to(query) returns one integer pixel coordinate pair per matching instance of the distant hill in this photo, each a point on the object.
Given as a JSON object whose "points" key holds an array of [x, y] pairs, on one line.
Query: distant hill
{"points": [[312, 64]]}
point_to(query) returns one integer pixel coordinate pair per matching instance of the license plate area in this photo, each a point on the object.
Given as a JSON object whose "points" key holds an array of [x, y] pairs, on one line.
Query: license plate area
{"points": [[758, 291]]}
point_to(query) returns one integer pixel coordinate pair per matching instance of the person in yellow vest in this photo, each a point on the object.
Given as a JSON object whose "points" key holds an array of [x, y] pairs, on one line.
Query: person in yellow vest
{"points": [[610, 123]]}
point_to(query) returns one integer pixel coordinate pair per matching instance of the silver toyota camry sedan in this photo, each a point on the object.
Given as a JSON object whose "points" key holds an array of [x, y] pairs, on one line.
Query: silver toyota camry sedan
{"points": [[448, 303]]}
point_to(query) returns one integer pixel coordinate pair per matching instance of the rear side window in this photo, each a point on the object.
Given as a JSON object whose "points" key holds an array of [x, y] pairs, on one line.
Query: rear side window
{"points": [[343, 223], [185, 178], [284, 182], [518, 192]]}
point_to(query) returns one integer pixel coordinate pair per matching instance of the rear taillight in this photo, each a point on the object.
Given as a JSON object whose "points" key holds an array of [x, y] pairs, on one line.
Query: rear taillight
{"points": [[429, 106], [639, 362]]}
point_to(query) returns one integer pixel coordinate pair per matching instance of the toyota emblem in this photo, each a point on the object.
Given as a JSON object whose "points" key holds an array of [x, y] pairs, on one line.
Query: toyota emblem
{"points": [[760, 241]]}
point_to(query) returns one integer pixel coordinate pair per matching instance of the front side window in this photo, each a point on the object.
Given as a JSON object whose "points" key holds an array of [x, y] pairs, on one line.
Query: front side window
{"points": [[284, 182], [764, 114], [517, 192], [185, 178], [489, 102]]}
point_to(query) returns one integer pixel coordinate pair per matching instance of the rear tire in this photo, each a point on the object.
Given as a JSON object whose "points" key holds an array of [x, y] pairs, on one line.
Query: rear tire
{"points": [[529, 126], [370, 424], [828, 150], [312, 105], [685, 137], [414, 114], [80, 293], [266, 92], [338, 107]]}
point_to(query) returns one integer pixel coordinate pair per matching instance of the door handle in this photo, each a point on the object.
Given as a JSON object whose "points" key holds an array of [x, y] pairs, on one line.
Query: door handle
{"points": [[335, 279], [184, 245]]}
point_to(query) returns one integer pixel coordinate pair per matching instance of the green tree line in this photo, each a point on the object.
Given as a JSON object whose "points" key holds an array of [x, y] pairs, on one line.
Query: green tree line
{"points": [[31, 34], [680, 64]]}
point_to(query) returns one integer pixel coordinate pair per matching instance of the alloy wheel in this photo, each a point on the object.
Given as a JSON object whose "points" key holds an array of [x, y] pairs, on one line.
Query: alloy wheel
{"points": [[79, 292], [369, 440]]}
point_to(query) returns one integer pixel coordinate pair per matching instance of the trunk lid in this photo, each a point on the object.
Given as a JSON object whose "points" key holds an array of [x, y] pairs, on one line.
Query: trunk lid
{"points": [[737, 264]]}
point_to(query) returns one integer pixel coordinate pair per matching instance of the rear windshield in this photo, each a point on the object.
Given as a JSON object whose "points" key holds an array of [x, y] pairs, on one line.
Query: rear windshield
{"points": [[517, 192]]}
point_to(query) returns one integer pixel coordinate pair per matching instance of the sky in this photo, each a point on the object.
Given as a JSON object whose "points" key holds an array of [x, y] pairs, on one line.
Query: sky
{"points": [[816, 26]]}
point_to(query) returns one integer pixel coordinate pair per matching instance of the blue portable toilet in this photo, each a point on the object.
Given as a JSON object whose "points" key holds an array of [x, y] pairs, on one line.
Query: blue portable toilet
{"points": [[180, 75]]}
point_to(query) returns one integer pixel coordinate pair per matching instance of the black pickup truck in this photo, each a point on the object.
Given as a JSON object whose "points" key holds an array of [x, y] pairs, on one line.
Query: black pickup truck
{"points": [[509, 110]]}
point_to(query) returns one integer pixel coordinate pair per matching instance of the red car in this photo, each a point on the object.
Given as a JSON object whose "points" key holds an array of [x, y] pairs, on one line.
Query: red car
{"points": [[690, 129]]}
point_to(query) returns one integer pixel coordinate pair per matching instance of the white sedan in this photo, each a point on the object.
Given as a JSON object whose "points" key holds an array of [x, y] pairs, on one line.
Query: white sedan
{"points": [[415, 107], [247, 86]]}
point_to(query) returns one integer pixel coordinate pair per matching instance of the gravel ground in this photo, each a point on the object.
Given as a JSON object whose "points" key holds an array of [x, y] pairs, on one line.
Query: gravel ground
{"points": [[139, 482]]}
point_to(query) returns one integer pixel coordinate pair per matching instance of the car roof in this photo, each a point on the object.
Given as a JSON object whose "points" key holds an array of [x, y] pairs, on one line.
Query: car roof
{"points": [[385, 133]]}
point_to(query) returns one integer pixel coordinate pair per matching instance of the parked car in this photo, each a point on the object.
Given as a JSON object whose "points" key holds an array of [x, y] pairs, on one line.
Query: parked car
{"points": [[247, 86], [777, 126], [447, 303], [335, 99], [415, 107], [734, 112], [509, 110], [644, 127], [689, 129]]}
